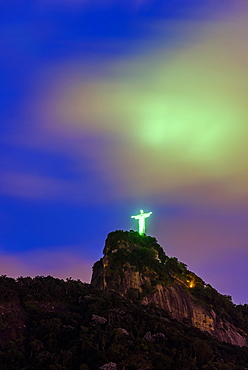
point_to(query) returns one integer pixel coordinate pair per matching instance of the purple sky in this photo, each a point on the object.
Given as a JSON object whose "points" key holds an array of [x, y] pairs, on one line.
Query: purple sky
{"points": [[111, 107]]}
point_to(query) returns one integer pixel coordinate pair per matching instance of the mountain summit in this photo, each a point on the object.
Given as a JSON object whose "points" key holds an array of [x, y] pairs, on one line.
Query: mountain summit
{"points": [[136, 266], [143, 311]]}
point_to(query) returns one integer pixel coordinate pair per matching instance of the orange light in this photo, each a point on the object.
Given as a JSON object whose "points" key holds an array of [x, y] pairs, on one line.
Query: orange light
{"points": [[192, 284]]}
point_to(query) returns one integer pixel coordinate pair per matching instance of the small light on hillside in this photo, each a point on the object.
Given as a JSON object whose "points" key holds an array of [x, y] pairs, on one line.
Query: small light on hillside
{"points": [[192, 284]]}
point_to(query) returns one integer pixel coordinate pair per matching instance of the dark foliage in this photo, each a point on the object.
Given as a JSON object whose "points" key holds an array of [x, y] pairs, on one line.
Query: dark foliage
{"points": [[51, 324]]}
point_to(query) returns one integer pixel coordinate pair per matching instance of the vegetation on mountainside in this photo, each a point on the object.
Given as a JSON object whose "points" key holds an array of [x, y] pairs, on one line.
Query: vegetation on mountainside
{"points": [[145, 255], [133, 240], [53, 324], [127, 248]]}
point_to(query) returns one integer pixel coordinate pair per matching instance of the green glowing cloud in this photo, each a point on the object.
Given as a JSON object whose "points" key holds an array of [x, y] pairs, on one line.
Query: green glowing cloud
{"points": [[179, 116]]}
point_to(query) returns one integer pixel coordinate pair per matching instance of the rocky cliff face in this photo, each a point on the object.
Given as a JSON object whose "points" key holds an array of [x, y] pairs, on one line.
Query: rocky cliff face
{"points": [[136, 266]]}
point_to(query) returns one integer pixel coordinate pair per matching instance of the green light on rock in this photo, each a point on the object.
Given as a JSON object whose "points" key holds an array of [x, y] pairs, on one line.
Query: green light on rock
{"points": [[142, 220]]}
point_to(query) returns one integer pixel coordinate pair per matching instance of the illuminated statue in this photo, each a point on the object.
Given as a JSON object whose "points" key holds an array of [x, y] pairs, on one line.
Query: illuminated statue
{"points": [[141, 217]]}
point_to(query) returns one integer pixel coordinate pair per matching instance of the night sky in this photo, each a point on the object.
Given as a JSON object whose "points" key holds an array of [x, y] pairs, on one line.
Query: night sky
{"points": [[109, 107]]}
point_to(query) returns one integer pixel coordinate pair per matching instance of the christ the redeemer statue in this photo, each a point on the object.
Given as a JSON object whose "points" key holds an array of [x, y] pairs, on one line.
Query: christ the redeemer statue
{"points": [[141, 217]]}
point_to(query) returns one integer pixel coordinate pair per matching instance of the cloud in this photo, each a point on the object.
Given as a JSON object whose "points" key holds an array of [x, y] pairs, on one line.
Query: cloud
{"points": [[179, 117], [61, 263], [32, 186], [79, 185], [199, 235], [81, 4], [212, 244]]}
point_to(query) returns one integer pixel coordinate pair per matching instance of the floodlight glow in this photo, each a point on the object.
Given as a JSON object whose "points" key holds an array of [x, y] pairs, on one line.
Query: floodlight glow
{"points": [[141, 218]]}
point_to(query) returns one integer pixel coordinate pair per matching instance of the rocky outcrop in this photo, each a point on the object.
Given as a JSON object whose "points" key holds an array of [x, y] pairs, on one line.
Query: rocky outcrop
{"points": [[174, 297], [183, 307], [126, 278]]}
